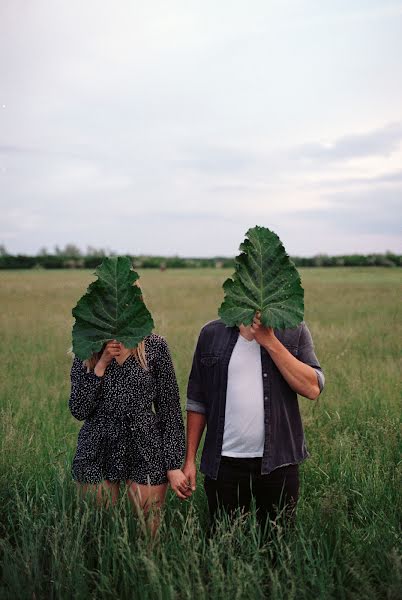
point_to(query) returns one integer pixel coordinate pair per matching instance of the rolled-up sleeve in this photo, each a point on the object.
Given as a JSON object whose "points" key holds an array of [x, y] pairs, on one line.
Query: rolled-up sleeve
{"points": [[306, 354], [195, 395], [168, 408], [86, 389]]}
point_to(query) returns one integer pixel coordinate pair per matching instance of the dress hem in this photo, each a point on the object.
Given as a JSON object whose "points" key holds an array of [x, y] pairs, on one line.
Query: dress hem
{"points": [[119, 480]]}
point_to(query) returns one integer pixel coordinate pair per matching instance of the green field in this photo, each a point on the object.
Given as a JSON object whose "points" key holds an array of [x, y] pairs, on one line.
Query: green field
{"points": [[346, 543]]}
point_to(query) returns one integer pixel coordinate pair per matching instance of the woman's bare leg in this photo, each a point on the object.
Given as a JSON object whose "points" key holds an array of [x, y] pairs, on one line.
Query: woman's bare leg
{"points": [[149, 499], [105, 492]]}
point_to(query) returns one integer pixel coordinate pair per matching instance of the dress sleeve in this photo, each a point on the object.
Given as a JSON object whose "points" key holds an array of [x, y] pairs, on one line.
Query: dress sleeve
{"points": [[85, 390], [168, 408], [307, 355]]}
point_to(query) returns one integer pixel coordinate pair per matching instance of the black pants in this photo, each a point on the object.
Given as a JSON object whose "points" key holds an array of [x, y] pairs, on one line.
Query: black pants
{"points": [[240, 479]]}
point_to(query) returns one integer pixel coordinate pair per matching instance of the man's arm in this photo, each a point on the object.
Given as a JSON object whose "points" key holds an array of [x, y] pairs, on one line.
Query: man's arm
{"points": [[196, 419], [195, 428], [301, 377]]}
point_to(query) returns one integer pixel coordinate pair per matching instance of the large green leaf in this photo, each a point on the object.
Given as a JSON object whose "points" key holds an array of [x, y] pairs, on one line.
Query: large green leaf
{"points": [[112, 308], [265, 280]]}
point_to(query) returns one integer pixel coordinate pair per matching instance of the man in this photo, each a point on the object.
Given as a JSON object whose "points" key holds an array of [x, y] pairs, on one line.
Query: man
{"points": [[243, 387]]}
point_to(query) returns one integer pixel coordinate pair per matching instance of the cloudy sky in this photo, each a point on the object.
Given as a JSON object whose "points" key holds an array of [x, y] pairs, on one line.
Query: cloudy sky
{"points": [[156, 127]]}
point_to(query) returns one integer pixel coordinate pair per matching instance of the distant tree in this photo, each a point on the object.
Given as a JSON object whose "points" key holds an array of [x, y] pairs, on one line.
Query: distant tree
{"points": [[71, 257], [72, 263], [91, 251], [72, 250], [100, 252], [393, 258], [319, 260], [137, 262]]}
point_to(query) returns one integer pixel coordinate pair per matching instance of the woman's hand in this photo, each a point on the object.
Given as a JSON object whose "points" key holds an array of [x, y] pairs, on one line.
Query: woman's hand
{"points": [[179, 483], [112, 349]]}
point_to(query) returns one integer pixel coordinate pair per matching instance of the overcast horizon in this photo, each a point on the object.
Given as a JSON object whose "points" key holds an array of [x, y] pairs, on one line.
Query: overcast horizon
{"points": [[170, 129]]}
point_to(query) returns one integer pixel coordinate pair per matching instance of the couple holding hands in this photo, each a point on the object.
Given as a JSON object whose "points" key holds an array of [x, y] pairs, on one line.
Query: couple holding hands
{"points": [[242, 389]]}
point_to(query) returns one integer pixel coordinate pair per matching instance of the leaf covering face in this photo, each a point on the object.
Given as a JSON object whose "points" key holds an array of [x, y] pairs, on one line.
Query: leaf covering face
{"points": [[265, 280], [112, 308]]}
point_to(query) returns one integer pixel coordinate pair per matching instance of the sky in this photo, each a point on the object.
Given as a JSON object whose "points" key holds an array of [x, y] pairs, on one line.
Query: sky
{"points": [[171, 128]]}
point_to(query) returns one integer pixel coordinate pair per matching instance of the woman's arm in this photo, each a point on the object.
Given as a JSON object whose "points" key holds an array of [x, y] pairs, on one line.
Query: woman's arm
{"points": [[167, 406], [85, 390], [87, 387], [196, 415]]}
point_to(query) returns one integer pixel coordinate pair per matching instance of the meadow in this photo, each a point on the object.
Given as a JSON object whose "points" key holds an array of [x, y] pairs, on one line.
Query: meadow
{"points": [[346, 542]]}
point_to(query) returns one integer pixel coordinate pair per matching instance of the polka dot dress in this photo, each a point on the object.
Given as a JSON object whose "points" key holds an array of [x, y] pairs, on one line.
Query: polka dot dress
{"points": [[133, 421]]}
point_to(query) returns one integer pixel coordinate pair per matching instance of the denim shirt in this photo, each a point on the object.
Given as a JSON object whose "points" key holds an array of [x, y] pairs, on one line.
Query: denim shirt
{"points": [[206, 393]]}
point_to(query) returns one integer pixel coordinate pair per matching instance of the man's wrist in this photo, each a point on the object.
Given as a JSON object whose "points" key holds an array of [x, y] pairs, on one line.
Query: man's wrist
{"points": [[271, 343]]}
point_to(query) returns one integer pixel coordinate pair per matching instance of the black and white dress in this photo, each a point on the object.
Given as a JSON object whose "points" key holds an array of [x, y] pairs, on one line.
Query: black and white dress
{"points": [[133, 426]]}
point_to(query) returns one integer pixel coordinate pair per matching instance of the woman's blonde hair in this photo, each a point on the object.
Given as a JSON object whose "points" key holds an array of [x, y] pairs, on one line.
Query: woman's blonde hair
{"points": [[138, 352]]}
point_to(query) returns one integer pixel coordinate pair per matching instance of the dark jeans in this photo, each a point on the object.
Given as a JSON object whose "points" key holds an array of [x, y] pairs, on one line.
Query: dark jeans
{"points": [[240, 479]]}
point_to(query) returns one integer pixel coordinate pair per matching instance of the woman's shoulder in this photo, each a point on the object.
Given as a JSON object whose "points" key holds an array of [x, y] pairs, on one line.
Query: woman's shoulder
{"points": [[155, 341], [77, 362], [157, 348], [77, 366]]}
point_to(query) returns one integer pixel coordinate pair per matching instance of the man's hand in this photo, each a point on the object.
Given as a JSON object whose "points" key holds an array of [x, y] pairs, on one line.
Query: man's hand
{"points": [[179, 483], [265, 336], [190, 471], [196, 423]]}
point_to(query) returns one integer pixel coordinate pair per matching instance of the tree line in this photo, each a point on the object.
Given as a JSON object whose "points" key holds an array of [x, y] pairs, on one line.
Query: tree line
{"points": [[71, 257]]}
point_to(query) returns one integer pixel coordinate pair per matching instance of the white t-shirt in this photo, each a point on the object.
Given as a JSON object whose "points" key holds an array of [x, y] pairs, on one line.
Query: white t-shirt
{"points": [[244, 431]]}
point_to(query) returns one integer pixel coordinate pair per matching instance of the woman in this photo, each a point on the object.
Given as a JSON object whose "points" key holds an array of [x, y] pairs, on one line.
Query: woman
{"points": [[123, 440]]}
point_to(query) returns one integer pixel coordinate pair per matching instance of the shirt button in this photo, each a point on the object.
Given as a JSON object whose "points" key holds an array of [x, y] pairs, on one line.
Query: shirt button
{"points": [[265, 374], [265, 397]]}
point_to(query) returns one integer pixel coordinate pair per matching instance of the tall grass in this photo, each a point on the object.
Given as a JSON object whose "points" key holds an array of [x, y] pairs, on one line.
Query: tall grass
{"points": [[346, 539]]}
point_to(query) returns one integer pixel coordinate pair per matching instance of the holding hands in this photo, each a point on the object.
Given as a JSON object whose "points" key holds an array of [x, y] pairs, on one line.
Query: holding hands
{"points": [[179, 484], [183, 481]]}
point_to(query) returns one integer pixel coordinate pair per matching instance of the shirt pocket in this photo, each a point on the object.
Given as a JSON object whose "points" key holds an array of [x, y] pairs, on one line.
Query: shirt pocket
{"points": [[210, 370], [209, 360]]}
